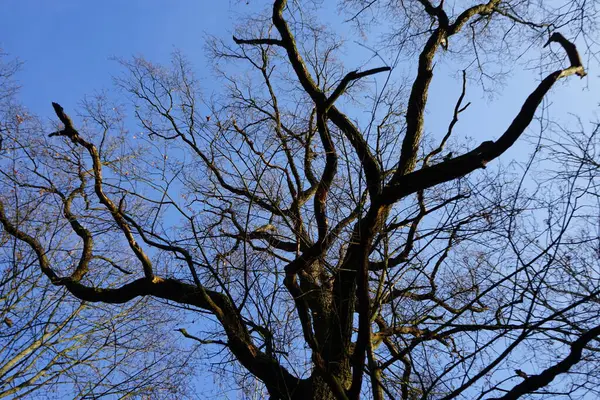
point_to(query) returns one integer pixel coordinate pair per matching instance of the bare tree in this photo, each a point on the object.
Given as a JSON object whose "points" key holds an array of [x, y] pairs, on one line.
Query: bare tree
{"points": [[51, 343], [334, 255]]}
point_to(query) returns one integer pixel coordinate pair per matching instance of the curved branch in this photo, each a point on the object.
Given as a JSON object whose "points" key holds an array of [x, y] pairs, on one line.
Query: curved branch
{"points": [[70, 132], [535, 382], [477, 158]]}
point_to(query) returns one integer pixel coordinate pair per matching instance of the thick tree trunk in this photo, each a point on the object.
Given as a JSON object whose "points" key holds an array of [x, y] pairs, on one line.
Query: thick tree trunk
{"points": [[320, 390], [314, 388]]}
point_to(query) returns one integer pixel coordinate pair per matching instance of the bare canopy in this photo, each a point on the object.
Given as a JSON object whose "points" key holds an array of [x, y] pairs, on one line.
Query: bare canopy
{"points": [[331, 256]]}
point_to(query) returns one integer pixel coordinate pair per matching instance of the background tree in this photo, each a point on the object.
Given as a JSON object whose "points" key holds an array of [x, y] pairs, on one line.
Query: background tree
{"points": [[52, 344], [335, 255]]}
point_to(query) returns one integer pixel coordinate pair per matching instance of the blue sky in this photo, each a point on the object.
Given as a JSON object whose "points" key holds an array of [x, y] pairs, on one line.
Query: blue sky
{"points": [[67, 46]]}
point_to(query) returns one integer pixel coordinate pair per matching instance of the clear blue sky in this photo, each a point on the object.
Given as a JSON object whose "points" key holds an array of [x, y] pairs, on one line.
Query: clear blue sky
{"points": [[67, 46]]}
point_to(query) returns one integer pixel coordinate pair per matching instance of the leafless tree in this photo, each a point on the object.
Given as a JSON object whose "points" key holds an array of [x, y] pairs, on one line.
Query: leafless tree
{"points": [[53, 344], [333, 243]]}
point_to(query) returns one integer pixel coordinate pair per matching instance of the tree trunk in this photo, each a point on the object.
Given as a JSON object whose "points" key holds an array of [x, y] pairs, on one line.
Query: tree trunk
{"points": [[314, 388], [320, 389]]}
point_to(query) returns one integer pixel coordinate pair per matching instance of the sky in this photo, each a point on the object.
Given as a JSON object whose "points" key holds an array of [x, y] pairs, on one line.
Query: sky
{"points": [[67, 46], [68, 49]]}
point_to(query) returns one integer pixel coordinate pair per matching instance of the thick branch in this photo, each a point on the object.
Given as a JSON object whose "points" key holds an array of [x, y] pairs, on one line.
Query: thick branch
{"points": [[436, 12], [465, 16], [369, 162], [72, 134], [571, 51], [351, 76], [416, 107], [288, 42], [320, 199], [535, 382], [267, 41], [479, 157], [418, 96]]}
